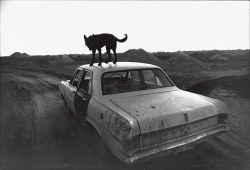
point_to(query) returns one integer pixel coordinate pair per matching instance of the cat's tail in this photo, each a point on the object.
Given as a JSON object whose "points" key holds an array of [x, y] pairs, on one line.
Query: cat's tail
{"points": [[122, 40]]}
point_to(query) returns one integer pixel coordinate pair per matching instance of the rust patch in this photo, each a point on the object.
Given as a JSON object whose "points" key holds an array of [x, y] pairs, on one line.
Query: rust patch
{"points": [[101, 116], [161, 125], [120, 127]]}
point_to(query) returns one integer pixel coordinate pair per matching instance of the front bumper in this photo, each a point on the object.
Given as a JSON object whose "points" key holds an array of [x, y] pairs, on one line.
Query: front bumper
{"points": [[167, 147]]}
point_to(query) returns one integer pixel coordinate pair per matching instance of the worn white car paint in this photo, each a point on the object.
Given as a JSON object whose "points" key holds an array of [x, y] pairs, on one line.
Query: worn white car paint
{"points": [[144, 124]]}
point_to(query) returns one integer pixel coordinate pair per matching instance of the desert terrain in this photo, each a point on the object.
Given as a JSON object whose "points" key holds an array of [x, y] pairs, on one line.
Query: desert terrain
{"points": [[37, 132]]}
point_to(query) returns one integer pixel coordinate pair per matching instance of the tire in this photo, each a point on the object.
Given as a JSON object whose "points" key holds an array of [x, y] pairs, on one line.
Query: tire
{"points": [[97, 142]]}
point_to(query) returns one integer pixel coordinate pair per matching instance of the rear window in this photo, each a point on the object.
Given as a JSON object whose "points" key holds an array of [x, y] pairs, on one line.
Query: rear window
{"points": [[133, 80]]}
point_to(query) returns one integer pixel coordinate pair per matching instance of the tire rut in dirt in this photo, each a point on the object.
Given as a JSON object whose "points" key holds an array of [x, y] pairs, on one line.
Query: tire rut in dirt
{"points": [[17, 123]]}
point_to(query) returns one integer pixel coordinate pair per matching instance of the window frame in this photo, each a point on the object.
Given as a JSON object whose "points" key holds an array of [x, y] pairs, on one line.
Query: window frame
{"points": [[90, 82], [141, 77], [73, 78]]}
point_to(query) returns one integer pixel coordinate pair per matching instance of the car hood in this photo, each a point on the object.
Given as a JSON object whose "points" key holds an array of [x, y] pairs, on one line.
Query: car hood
{"points": [[166, 109]]}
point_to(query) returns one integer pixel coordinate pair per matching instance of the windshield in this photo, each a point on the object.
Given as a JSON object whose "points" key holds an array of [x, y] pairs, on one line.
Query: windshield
{"points": [[133, 80]]}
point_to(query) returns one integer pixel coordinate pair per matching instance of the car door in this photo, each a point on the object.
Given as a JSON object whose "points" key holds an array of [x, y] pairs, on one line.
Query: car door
{"points": [[72, 88], [83, 95]]}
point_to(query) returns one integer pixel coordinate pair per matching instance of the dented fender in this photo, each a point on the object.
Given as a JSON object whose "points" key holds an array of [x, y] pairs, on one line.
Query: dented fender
{"points": [[113, 119]]}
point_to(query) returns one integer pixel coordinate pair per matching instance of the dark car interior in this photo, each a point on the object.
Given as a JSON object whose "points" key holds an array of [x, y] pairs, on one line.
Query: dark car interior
{"points": [[133, 80]]}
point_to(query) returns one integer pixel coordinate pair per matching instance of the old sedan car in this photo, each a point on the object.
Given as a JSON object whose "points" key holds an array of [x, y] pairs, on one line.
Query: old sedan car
{"points": [[138, 111]]}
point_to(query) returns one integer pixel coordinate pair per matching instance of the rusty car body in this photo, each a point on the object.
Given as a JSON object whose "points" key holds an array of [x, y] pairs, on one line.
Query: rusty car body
{"points": [[139, 113]]}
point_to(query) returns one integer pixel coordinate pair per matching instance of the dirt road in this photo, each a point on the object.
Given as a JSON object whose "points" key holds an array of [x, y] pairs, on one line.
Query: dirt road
{"points": [[36, 132]]}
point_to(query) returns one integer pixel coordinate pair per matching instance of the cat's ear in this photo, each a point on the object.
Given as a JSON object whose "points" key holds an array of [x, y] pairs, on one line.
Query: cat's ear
{"points": [[85, 38]]}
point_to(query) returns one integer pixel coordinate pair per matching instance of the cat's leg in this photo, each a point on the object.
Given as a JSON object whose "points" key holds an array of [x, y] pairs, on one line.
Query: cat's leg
{"points": [[108, 51], [114, 51], [93, 58], [100, 57]]}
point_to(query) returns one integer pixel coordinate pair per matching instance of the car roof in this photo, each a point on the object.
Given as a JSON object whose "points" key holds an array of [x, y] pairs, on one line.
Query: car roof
{"points": [[106, 67]]}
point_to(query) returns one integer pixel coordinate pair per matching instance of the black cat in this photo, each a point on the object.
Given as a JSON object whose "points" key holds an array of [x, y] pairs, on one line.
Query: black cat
{"points": [[96, 42]]}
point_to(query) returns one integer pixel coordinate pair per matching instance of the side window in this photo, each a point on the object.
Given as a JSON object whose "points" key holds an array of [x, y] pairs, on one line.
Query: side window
{"points": [[85, 83], [76, 78], [161, 79], [135, 75], [75, 73], [149, 77]]}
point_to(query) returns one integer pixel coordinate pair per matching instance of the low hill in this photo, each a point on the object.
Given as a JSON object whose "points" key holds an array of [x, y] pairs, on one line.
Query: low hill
{"points": [[23, 59], [17, 58], [163, 55], [18, 54], [218, 57], [182, 62], [60, 59], [139, 55], [204, 55]]}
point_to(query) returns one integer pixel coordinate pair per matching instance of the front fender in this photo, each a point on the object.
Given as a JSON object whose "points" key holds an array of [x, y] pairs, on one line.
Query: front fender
{"points": [[62, 86]]}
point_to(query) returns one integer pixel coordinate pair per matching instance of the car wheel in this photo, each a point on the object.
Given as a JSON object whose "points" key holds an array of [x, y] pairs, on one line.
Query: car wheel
{"points": [[97, 142]]}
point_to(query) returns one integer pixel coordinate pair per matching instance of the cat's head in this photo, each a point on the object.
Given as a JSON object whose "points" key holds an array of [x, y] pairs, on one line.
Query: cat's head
{"points": [[87, 42]]}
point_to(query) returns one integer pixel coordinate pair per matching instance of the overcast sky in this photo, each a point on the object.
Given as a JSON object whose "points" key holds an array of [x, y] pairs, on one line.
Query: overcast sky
{"points": [[57, 27]]}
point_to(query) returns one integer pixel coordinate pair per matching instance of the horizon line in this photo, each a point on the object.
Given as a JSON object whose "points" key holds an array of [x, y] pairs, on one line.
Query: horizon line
{"points": [[124, 52]]}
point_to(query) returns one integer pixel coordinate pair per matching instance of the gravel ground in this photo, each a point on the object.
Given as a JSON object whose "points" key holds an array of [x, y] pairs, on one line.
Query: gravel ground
{"points": [[36, 132]]}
